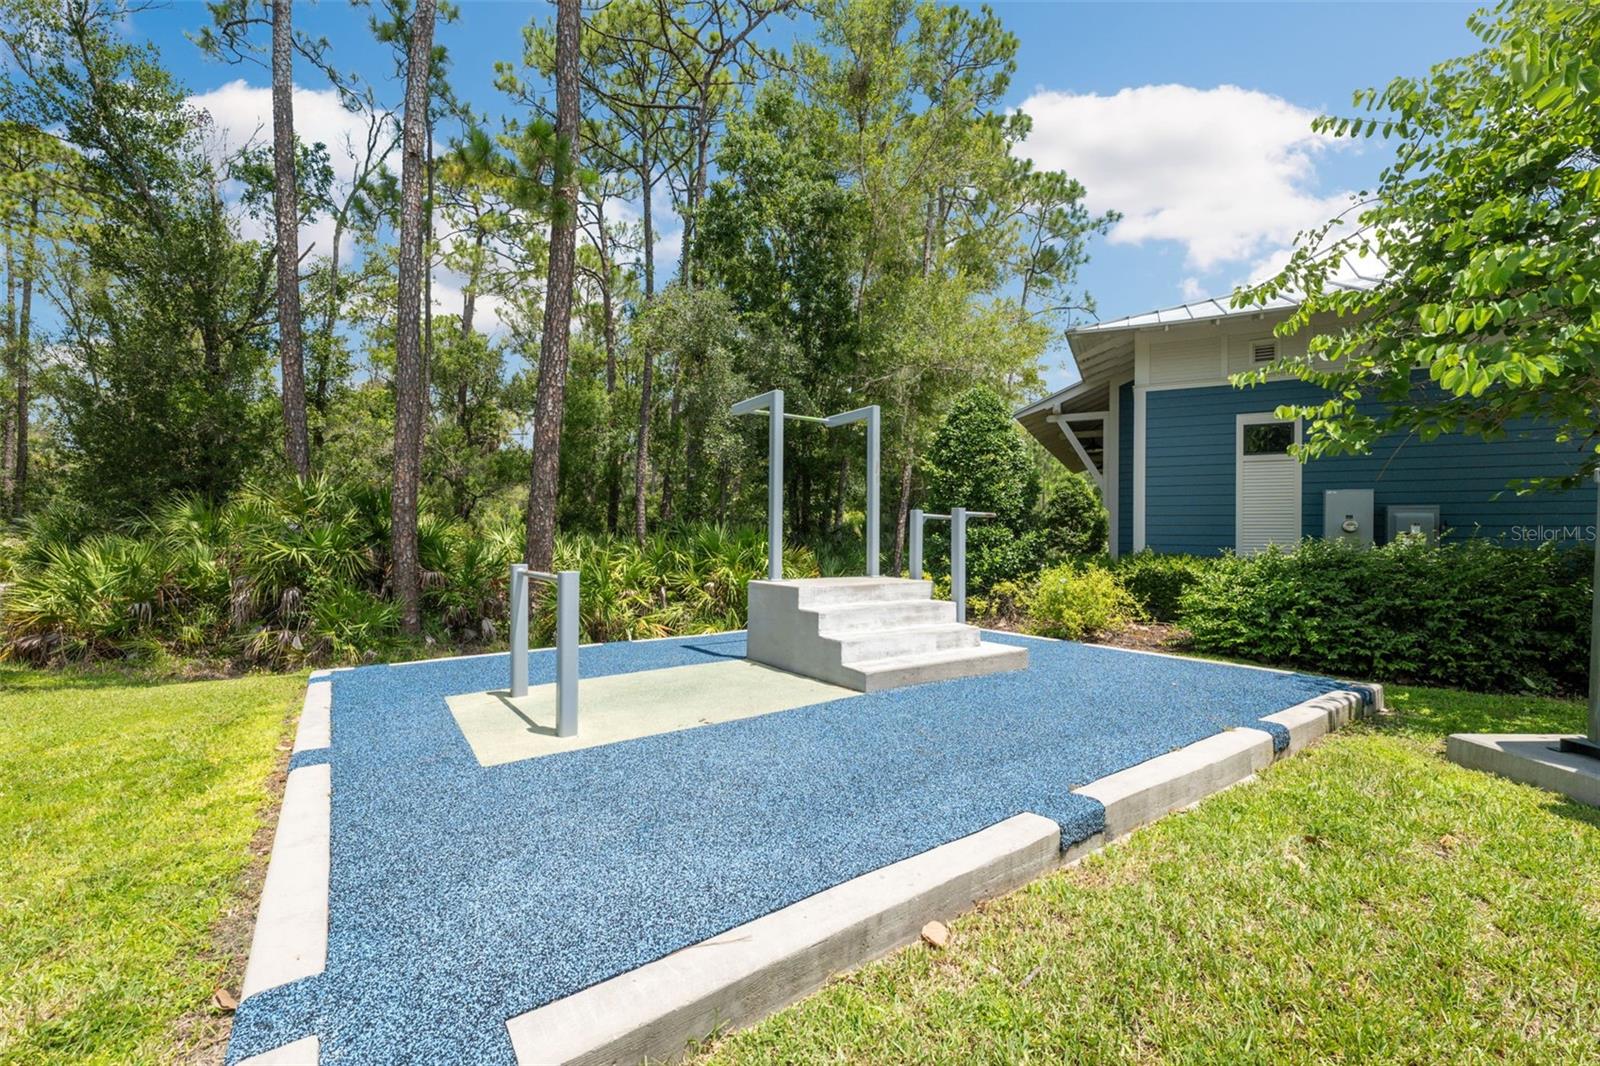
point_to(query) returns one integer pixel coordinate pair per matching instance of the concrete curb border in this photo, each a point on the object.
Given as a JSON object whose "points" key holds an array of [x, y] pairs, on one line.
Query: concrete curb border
{"points": [[752, 970], [291, 934]]}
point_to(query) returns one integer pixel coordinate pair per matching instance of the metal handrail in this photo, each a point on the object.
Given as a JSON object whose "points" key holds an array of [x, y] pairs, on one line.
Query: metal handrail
{"points": [[566, 583]]}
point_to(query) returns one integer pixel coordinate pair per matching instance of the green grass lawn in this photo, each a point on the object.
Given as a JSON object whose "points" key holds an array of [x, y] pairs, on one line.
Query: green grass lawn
{"points": [[126, 816], [1365, 901]]}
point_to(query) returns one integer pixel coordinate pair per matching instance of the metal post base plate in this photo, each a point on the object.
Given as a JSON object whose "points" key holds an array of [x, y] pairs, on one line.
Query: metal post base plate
{"points": [[1578, 746]]}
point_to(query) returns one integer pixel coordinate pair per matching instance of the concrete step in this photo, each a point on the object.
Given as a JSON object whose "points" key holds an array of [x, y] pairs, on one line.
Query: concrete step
{"points": [[904, 641], [815, 593], [874, 675], [889, 614]]}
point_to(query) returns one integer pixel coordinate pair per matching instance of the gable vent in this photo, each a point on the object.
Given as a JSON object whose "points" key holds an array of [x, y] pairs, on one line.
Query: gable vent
{"points": [[1263, 351]]}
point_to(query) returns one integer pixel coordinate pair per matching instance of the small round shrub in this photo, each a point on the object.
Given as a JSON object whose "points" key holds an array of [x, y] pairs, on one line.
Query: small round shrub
{"points": [[1071, 520], [1073, 604]]}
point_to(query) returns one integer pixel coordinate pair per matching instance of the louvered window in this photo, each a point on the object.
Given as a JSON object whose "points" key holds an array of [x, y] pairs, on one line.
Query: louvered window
{"points": [[1263, 351]]}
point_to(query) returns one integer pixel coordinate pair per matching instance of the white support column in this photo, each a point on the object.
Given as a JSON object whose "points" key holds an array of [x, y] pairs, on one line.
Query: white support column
{"points": [[1063, 424]]}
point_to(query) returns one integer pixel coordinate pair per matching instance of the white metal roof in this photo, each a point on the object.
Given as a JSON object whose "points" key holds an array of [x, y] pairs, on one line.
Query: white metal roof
{"points": [[1199, 311]]}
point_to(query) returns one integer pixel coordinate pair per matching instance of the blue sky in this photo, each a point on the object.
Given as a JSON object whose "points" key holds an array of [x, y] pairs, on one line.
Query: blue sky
{"points": [[1190, 118]]}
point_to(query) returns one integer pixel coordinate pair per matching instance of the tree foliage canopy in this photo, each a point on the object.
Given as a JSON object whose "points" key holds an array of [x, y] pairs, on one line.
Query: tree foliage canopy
{"points": [[1483, 235]]}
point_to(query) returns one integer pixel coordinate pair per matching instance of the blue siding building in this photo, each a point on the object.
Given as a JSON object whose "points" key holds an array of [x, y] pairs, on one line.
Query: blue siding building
{"points": [[1189, 463]]}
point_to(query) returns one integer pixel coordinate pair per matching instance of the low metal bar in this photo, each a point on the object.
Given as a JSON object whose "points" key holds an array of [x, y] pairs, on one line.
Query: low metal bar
{"points": [[958, 561], [914, 530], [566, 583], [519, 630]]}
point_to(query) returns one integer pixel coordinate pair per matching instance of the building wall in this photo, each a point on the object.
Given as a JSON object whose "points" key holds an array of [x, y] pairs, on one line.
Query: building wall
{"points": [[1190, 468], [1124, 486]]}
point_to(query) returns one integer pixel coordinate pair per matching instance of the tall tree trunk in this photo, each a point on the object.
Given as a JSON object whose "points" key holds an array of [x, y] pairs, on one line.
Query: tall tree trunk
{"points": [[320, 370], [550, 402], [7, 438], [286, 208], [901, 515], [408, 324], [427, 291], [608, 310], [20, 373], [641, 458]]}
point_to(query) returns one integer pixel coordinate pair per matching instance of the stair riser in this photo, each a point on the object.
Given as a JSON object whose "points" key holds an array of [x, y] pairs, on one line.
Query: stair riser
{"points": [[810, 599], [899, 677], [905, 642], [834, 622]]}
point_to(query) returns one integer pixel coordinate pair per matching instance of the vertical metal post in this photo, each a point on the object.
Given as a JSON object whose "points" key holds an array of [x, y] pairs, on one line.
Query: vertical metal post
{"points": [[958, 561], [914, 534], [874, 524], [519, 630], [566, 654], [775, 487]]}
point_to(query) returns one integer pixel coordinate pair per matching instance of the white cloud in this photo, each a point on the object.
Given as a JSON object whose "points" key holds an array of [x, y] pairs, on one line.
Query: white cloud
{"points": [[488, 310], [242, 115], [1228, 173]]}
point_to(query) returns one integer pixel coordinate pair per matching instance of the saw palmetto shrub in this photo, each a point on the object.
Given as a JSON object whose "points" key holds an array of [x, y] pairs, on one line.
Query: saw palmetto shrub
{"points": [[1474, 615], [300, 573]]}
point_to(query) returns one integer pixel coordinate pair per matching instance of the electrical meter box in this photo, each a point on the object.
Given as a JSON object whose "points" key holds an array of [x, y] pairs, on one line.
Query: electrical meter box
{"points": [[1347, 516], [1413, 520]]}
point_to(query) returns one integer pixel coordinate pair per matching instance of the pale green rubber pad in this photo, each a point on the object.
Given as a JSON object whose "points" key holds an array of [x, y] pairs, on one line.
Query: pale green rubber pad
{"points": [[626, 706]]}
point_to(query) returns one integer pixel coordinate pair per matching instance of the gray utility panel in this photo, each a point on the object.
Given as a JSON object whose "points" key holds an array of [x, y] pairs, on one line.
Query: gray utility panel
{"points": [[1347, 516], [1414, 519]]}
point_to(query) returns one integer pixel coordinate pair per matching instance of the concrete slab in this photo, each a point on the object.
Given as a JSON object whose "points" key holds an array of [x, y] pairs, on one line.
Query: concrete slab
{"points": [[651, 1013], [619, 707], [291, 934], [1528, 758]]}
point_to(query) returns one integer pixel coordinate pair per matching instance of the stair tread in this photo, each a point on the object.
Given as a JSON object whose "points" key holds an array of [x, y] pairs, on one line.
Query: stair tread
{"points": [[921, 658]]}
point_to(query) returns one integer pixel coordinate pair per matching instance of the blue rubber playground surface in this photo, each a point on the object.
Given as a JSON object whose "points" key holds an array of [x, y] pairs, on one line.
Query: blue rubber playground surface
{"points": [[461, 896]]}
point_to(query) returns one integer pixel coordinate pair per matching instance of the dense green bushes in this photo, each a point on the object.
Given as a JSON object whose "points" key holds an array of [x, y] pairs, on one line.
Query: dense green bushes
{"points": [[300, 574], [1471, 615], [1157, 582]]}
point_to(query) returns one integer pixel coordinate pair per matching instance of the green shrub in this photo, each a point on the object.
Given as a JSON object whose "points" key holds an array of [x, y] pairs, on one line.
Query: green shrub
{"points": [[1071, 521], [283, 575], [1006, 603], [1473, 615], [1157, 582], [1073, 603]]}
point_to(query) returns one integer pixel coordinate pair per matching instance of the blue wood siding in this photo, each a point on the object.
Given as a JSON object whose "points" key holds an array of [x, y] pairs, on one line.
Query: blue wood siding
{"points": [[1124, 486], [1189, 474]]}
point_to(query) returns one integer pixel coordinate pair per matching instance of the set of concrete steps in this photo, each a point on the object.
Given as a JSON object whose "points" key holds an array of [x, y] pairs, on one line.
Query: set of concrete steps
{"points": [[868, 633]]}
